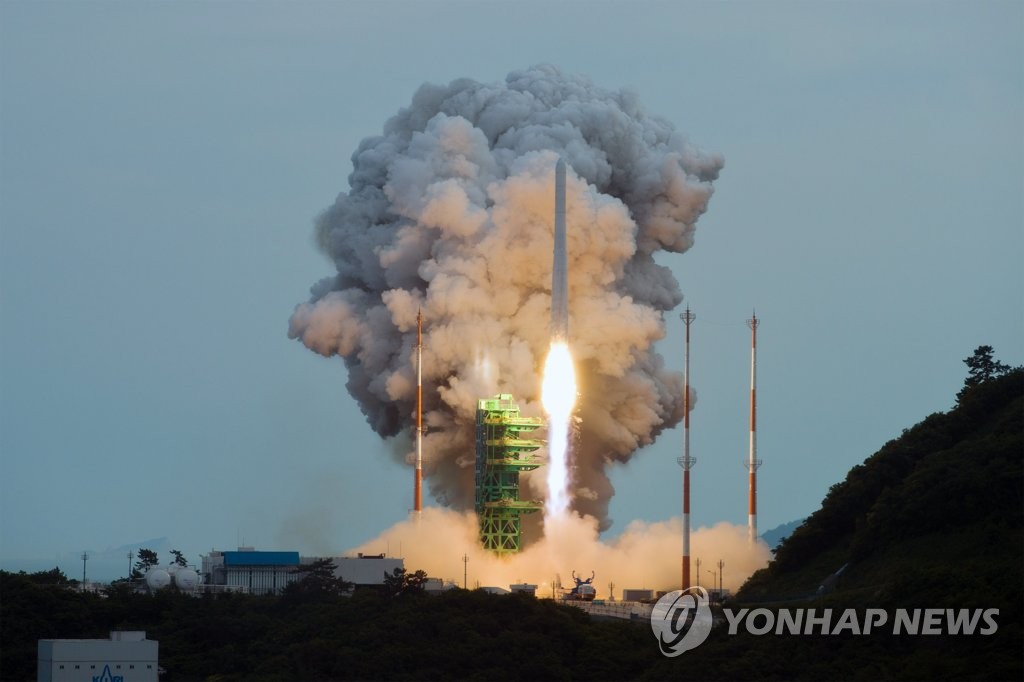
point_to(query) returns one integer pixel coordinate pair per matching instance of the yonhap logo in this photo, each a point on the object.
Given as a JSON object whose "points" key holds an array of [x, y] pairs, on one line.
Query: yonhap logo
{"points": [[681, 620]]}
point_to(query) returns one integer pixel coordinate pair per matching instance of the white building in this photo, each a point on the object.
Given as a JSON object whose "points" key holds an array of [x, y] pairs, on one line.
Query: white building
{"points": [[259, 572], [365, 569], [125, 657]]}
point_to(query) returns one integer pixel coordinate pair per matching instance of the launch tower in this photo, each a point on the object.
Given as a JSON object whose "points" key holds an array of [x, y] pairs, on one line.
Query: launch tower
{"points": [[502, 453]]}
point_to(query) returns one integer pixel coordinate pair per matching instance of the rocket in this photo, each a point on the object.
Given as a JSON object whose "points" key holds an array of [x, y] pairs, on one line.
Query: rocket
{"points": [[560, 268]]}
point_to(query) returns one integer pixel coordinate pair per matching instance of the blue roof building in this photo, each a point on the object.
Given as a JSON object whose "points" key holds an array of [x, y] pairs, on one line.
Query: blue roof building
{"points": [[247, 570]]}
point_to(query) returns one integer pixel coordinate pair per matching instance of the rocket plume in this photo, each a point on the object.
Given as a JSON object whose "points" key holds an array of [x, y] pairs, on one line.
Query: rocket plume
{"points": [[448, 211], [558, 395]]}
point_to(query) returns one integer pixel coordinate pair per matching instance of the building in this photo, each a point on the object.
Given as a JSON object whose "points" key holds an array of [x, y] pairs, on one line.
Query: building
{"points": [[125, 657], [256, 572], [366, 569], [251, 571]]}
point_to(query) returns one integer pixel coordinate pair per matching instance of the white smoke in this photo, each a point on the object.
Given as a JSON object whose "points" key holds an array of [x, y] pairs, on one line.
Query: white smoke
{"points": [[451, 211], [645, 555]]}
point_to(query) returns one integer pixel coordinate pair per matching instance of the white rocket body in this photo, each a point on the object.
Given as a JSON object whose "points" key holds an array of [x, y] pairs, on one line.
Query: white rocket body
{"points": [[560, 267]]}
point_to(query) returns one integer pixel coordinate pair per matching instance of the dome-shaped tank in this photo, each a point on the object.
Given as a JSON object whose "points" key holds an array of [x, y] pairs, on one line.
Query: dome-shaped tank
{"points": [[186, 579], [157, 578]]}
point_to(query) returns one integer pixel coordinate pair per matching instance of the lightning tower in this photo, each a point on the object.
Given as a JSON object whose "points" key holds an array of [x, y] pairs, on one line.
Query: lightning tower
{"points": [[418, 486], [753, 462], [686, 462]]}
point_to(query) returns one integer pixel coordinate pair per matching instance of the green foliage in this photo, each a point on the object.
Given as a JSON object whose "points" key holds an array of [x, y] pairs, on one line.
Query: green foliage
{"points": [[952, 470], [934, 519], [146, 559], [179, 558], [983, 367], [318, 582], [401, 582], [475, 636]]}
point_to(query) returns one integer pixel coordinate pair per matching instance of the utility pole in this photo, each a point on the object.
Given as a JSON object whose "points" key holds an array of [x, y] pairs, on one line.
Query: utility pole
{"points": [[698, 571], [85, 557], [721, 573], [129, 566], [465, 571]]}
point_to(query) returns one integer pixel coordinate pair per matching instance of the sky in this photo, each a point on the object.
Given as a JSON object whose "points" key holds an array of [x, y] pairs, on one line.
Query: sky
{"points": [[161, 166]]}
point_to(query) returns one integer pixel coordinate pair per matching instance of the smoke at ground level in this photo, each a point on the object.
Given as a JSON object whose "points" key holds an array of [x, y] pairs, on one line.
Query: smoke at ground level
{"points": [[644, 555]]}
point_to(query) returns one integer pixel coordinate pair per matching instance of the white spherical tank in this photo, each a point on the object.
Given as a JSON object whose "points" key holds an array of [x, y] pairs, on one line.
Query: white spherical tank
{"points": [[157, 578], [186, 579]]}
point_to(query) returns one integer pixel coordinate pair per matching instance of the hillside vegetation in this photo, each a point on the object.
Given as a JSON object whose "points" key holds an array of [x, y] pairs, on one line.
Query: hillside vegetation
{"points": [[934, 514]]}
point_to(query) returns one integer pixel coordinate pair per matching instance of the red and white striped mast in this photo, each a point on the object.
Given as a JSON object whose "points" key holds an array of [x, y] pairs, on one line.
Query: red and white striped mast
{"points": [[686, 462], [418, 490], [753, 463]]}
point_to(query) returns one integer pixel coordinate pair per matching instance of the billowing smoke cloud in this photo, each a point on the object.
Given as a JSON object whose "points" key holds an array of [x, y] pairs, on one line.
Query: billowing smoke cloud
{"points": [[451, 211], [645, 555]]}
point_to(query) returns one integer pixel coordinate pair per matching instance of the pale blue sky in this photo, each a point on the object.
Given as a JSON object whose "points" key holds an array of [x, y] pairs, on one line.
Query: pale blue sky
{"points": [[161, 164]]}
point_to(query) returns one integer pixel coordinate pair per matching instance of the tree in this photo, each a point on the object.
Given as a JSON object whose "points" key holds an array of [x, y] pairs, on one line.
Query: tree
{"points": [[54, 576], [179, 558], [402, 582], [147, 559], [317, 579], [981, 367]]}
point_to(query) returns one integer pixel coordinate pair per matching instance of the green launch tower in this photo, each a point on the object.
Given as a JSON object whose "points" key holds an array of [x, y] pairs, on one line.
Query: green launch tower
{"points": [[501, 454]]}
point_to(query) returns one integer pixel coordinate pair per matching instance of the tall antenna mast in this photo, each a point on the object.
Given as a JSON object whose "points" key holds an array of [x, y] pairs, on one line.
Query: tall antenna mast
{"points": [[686, 462], [418, 492], [753, 463]]}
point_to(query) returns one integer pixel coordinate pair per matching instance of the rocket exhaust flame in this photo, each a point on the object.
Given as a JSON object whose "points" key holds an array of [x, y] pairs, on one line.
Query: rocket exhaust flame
{"points": [[559, 398]]}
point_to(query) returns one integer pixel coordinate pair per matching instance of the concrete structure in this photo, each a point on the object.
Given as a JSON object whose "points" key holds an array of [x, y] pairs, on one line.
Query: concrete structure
{"points": [[125, 657], [637, 594], [437, 586], [523, 588], [248, 570]]}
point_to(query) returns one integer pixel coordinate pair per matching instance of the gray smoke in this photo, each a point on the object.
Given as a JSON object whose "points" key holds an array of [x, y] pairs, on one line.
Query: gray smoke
{"points": [[451, 210]]}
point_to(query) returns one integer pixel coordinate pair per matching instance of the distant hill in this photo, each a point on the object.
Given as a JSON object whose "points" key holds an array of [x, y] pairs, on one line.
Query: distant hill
{"points": [[103, 565], [935, 513], [776, 535]]}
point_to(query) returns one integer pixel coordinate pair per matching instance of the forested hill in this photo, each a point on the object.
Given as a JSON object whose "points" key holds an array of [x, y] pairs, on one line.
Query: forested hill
{"points": [[933, 518]]}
